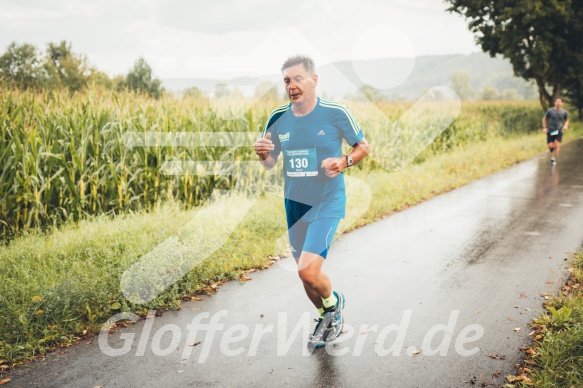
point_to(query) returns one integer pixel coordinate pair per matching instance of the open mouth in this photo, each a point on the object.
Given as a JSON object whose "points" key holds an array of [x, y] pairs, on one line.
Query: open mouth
{"points": [[294, 95]]}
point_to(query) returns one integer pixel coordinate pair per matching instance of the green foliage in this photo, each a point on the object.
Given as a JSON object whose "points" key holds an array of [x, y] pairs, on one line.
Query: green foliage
{"points": [[488, 93], [541, 38], [221, 90], [63, 157], [557, 318], [54, 286], [22, 67], [192, 92], [460, 82], [140, 79], [574, 86], [66, 68], [370, 93], [558, 351]]}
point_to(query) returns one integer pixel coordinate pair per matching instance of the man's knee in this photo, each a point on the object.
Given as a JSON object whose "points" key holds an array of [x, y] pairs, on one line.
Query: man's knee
{"points": [[308, 276]]}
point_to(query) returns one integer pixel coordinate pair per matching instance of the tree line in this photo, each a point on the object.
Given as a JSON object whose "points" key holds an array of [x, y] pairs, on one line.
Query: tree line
{"points": [[24, 66], [543, 39]]}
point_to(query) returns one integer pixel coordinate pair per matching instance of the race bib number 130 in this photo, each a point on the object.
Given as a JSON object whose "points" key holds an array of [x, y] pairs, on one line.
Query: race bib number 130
{"points": [[301, 162]]}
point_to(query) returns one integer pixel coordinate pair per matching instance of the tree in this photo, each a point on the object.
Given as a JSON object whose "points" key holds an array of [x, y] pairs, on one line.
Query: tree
{"points": [[100, 79], [574, 93], [221, 90], [66, 68], [140, 79], [510, 94], [192, 92], [488, 93], [539, 37], [370, 93], [460, 82], [22, 67]]}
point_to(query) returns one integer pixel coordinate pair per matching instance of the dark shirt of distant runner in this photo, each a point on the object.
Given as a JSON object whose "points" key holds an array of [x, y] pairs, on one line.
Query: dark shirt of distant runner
{"points": [[556, 119]]}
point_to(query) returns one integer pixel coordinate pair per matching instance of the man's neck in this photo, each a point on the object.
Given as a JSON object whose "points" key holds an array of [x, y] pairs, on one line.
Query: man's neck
{"points": [[304, 109]]}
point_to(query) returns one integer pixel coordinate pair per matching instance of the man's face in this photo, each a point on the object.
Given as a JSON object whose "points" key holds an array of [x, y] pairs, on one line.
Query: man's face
{"points": [[558, 103], [300, 86]]}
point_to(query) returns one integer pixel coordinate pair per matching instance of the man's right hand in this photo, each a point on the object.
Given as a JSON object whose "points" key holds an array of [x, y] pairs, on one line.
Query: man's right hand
{"points": [[263, 145], [545, 130]]}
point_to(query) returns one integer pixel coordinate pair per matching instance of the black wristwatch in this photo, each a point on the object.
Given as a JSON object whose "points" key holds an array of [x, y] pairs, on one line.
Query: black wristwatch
{"points": [[348, 160]]}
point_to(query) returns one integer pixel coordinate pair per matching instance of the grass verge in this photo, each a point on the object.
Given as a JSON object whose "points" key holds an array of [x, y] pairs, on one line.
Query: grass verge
{"points": [[556, 358], [56, 288]]}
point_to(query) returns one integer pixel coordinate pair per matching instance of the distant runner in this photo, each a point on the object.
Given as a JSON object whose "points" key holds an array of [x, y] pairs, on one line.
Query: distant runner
{"points": [[309, 131], [555, 121]]}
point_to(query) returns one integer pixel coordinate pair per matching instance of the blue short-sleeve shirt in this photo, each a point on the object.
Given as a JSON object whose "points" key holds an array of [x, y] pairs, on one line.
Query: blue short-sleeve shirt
{"points": [[305, 142]]}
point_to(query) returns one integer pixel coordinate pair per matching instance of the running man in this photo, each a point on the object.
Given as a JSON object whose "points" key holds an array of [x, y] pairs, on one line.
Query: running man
{"points": [[555, 121], [309, 131]]}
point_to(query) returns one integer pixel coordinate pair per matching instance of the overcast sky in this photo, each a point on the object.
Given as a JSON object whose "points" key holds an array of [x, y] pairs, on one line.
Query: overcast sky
{"points": [[223, 38]]}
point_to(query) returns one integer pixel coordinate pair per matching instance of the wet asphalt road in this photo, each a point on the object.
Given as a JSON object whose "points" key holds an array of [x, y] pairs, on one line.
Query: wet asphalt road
{"points": [[451, 278]]}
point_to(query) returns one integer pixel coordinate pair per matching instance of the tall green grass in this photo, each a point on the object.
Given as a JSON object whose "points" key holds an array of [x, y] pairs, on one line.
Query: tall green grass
{"points": [[56, 285], [556, 358], [102, 205], [63, 157]]}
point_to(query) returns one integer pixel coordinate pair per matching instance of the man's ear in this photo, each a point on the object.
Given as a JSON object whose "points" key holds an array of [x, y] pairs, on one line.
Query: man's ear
{"points": [[315, 79]]}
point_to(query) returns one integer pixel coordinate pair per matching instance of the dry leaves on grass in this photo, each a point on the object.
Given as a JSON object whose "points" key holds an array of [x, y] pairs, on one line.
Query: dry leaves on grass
{"points": [[5, 381]]}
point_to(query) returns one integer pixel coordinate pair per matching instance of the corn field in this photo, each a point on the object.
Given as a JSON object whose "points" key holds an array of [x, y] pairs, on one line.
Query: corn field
{"points": [[63, 157]]}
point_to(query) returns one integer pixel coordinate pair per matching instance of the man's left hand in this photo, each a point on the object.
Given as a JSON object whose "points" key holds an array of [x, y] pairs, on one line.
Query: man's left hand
{"points": [[334, 166]]}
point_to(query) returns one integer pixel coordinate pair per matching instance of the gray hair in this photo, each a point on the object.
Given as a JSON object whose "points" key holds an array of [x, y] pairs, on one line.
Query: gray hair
{"points": [[299, 59]]}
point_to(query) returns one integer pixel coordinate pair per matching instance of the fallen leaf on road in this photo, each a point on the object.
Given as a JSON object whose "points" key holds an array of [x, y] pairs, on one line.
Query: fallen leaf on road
{"points": [[493, 356], [4, 381], [416, 352], [531, 333], [195, 298], [517, 329], [522, 295], [194, 343], [527, 309], [244, 278]]}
